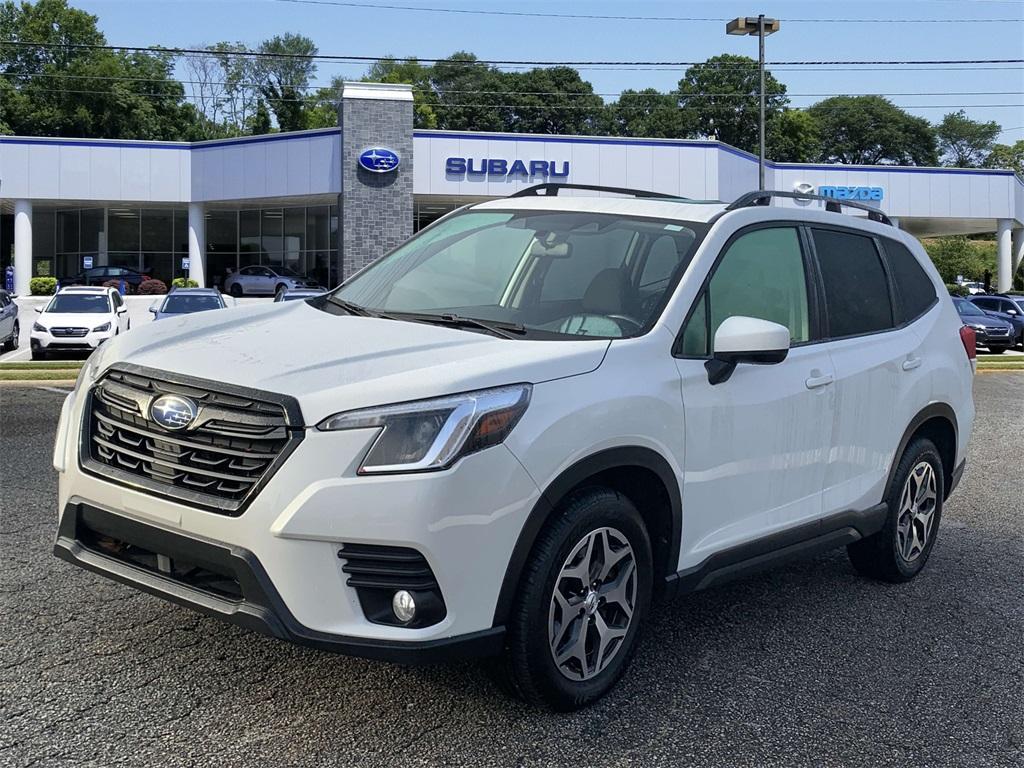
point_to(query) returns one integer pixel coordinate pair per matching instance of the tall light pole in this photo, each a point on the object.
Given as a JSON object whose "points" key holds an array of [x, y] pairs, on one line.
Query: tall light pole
{"points": [[762, 27]]}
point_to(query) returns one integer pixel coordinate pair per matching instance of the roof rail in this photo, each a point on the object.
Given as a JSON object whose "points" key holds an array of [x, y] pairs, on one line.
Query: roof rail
{"points": [[764, 197], [551, 190]]}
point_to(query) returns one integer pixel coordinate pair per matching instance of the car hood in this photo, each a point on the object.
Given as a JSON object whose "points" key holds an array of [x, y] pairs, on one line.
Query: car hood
{"points": [[74, 319], [1005, 318], [333, 363]]}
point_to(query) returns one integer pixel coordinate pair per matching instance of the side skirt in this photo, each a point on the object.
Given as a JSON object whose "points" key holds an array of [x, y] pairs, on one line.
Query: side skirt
{"points": [[802, 541]]}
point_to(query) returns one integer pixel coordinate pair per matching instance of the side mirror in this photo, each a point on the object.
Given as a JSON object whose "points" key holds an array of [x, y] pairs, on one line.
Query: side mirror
{"points": [[122, 309], [153, 309], [742, 339], [39, 310]]}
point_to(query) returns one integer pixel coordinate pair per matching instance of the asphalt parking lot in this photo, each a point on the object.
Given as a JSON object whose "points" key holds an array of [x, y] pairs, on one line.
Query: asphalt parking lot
{"points": [[809, 665]]}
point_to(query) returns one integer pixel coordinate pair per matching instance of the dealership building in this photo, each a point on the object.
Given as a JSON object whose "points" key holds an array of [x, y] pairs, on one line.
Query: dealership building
{"points": [[326, 202]]}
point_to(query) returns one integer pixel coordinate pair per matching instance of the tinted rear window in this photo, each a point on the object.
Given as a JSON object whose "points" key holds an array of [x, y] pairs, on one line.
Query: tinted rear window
{"points": [[856, 290], [917, 293]]}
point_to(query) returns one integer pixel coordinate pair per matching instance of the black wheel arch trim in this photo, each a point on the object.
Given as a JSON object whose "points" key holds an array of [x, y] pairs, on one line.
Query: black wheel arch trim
{"points": [[929, 412], [621, 457]]}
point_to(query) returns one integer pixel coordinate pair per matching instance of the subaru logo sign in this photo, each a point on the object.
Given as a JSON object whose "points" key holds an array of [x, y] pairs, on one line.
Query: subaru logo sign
{"points": [[173, 412], [379, 159]]}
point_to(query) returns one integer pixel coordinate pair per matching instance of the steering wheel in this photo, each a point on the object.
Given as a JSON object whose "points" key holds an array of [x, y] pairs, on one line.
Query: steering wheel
{"points": [[648, 305]]}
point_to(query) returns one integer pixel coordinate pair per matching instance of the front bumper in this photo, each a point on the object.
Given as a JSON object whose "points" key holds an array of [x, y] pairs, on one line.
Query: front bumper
{"points": [[91, 340], [464, 521], [258, 606]]}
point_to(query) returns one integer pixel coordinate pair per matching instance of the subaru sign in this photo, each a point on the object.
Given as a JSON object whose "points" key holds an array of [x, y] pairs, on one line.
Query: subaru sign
{"points": [[501, 168], [379, 159]]}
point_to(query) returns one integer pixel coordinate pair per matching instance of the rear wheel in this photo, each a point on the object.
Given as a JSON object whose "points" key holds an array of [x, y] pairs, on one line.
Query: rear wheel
{"points": [[899, 551], [583, 595], [12, 343]]}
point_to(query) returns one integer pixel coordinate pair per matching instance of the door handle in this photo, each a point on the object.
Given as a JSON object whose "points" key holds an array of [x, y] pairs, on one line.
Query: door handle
{"points": [[911, 363], [819, 381]]}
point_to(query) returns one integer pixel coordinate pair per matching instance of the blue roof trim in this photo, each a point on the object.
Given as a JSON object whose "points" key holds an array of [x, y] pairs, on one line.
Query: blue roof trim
{"points": [[290, 136], [889, 169], [709, 144], [181, 146]]}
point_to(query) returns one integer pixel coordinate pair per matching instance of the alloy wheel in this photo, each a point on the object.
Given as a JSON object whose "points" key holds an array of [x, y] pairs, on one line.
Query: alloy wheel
{"points": [[918, 502], [592, 604]]}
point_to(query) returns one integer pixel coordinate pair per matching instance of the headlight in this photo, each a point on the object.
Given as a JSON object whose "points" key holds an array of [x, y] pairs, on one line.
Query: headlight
{"points": [[87, 374], [432, 434], [39, 328], [976, 326], [101, 328]]}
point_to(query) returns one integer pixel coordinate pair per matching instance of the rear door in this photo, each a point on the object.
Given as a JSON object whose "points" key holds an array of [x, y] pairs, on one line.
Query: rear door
{"points": [[877, 357], [757, 444], [7, 314]]}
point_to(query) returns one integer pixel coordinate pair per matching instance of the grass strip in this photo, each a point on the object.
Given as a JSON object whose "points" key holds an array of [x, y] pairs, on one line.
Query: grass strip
{"points": [[37, 375], [63, 365]]}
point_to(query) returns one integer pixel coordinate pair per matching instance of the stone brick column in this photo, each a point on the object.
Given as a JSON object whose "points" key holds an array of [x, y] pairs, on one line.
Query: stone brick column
{"points": [[376, 209]]}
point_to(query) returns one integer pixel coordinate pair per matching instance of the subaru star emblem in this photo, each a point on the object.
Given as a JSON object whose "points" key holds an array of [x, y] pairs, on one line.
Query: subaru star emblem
{"points": [[173, 412], [379, 159]]}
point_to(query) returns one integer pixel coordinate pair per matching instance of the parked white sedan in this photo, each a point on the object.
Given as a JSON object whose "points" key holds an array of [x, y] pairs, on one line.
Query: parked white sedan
{"points": [[266, 281], [78, 318]]}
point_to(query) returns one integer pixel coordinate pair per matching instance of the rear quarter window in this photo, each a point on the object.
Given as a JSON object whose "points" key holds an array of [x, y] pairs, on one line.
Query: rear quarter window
{"points": [[915, 288], [857, 299]]}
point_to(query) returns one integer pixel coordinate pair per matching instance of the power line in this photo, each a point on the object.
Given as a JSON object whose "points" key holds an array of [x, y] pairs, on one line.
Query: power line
{"points": [[594, 16], [349, 58]]}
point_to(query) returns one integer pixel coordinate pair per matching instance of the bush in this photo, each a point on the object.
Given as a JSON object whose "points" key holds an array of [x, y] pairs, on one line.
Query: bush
{"points": [[152, 287], [116, 285], [955, 256], [184, 282], [957, 290], [43, 286]]}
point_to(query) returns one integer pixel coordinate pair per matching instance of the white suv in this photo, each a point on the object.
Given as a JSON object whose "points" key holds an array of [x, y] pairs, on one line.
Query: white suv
{"points": [[78, 319], [517, 431]]}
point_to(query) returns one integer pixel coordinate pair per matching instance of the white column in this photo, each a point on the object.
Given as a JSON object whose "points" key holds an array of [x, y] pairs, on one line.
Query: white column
{"points": [[1005, 279], [197, 243], [1017, 248], [22, 246]]}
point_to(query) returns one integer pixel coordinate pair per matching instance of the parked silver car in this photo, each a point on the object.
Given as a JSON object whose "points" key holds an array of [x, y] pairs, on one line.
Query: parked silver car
{"points": [[266, 281]]}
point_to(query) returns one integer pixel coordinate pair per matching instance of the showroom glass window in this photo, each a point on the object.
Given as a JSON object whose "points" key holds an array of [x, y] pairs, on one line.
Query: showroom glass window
{"points": [[857, 299], [762, 275]]}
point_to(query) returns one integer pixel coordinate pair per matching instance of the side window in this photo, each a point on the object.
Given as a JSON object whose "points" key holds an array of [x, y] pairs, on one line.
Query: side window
{"points": [[917, 293], [984, 303], [761, 275], [856, 290]]}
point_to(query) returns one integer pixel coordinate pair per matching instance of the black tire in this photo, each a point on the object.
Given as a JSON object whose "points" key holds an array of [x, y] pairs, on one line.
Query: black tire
{"points": [[11, 343], [236, 290], [281, 288], [528, 668], [879, 556], [39, 354], [996, 350]]}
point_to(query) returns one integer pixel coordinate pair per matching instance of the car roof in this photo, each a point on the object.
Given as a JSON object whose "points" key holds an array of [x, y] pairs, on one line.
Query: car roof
{"points": [[658, 208], [85, 289], [201, 291]]}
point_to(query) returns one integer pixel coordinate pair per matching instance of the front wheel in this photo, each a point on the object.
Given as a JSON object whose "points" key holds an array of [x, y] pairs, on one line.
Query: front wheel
{"points": [[582, 597], [236, 290], [899, 551], [12, 343], [996, 350], [39, 354]]}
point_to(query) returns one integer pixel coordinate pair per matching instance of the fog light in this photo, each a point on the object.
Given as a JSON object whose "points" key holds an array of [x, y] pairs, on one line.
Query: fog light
{"points": [[404, 606]]}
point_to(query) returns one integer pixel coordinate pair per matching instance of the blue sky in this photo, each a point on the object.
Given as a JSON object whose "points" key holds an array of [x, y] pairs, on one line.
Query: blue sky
{"points": [[986, 94]]}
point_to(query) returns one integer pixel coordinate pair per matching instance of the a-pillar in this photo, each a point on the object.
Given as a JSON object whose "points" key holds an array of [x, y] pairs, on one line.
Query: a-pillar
{"points": [[1003, 255], [197, 243], [22, 247]]}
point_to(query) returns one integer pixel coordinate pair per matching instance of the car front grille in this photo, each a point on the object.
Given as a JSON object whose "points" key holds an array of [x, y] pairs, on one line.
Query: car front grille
{"points": [[238, 439], [62, 333], [997, 331]]}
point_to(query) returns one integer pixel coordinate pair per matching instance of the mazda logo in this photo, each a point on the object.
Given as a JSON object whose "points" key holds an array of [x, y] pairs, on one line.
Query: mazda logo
{"points": [[173, 412]]}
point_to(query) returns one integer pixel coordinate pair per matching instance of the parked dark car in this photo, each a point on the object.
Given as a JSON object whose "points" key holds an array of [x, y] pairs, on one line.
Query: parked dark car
{"points": [[989, 331], [101, 275], [9, 329], [1008, 308], [185, 301]]}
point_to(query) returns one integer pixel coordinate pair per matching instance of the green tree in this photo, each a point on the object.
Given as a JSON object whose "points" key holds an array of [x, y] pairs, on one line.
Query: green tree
{"points": [[956, 256], [872, 130], [72, 91], [411, 72], [649, 113], [552, 100], [470, 96], [1007, 156], [722, 97], [794, 136], [259, 123], [965, 143], [284, 73]]}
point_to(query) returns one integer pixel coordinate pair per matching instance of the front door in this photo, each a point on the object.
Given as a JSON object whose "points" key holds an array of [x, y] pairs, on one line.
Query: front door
{"points": [[756, 444]]}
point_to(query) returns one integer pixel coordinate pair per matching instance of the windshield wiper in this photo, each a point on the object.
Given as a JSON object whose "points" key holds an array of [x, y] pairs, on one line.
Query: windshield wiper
{"points": [[501, 329], [359, 310]]}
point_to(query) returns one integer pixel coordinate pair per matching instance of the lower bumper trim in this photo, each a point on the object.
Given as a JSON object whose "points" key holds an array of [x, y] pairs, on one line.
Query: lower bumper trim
{"points": [[260, 608]]}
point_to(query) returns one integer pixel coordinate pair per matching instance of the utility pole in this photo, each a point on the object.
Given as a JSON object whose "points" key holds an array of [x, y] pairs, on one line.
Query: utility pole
{"points": [[762, 27]]}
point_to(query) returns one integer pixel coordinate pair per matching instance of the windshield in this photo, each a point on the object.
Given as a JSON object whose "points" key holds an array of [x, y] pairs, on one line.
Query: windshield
{"points": [[286, 272], [554, 274], [967, 308], [178, 304], [80, 303]]}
